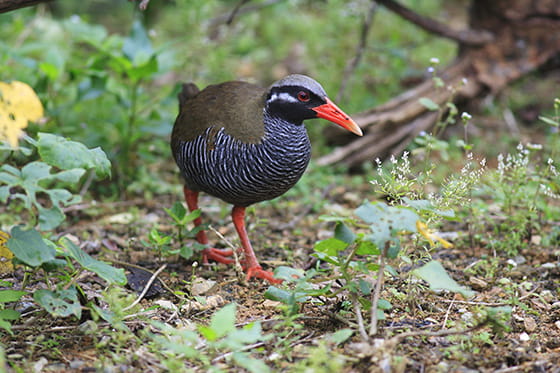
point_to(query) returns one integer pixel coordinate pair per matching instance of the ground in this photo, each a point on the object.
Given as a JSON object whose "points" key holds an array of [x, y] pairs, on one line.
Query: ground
{"points": [[527, 282]]}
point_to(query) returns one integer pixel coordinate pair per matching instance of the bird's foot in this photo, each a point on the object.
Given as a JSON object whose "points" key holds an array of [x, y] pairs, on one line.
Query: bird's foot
{"points": [[258, 272], [217, 255]]}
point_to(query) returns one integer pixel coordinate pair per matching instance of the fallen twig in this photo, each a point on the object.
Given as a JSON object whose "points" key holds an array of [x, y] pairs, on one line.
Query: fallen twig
{"points": [[146, 288]]}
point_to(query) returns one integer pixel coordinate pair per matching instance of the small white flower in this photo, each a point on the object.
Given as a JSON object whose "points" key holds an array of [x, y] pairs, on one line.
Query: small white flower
{"points": [[434, 60], [431, 70], [466, 116]]}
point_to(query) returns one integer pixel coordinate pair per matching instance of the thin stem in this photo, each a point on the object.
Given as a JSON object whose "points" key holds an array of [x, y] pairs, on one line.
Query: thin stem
{"points": [[376, 294]]}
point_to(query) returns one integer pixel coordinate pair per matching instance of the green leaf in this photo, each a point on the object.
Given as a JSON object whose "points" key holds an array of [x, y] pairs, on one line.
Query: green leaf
{"points": [[67, 155], [4, 193], [438, 279], [208, 333], [288, 273], [383, 304], [9, 314], [367, 248], [72, 176], [223, 321], [59, 303], [340, 336], [110, 274], [177, 211], [549, 121], [343, 233], [50, 218], [249, 363], [285, 296], [330, 246], [29, 247], [138, 47], [428, 104], [11, 295], [386, 222]]}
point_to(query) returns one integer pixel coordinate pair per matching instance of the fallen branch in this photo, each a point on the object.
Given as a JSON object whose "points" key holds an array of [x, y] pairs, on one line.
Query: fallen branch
{"points": [[466, 37]]}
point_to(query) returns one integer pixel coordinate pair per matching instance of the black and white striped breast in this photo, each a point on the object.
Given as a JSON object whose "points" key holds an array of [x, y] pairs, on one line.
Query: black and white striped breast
{"points": [[241, 173]]}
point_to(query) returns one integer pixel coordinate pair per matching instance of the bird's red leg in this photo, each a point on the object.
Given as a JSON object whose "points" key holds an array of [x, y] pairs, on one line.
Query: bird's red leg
{"points": [[251, 264], [217, 255]]}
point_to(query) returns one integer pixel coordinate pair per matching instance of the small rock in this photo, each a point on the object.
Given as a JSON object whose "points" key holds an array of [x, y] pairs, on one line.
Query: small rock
{"points": [[40, 364], [477, 283], [530, 324], [524, 337], [165, 304], [271, 303], [201, 286], [547, 295], [122, 218], [555, 305], [557, 324]]}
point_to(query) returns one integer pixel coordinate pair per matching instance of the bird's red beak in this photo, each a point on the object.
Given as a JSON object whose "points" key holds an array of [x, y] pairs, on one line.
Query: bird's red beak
{"points": [[331, 112]]}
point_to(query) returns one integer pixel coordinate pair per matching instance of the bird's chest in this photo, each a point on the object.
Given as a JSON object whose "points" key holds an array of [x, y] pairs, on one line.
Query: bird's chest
{"points": [[245, 173]]}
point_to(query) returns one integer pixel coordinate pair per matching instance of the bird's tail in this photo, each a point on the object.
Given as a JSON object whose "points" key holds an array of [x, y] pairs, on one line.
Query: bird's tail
{"points": [[188, 91]]}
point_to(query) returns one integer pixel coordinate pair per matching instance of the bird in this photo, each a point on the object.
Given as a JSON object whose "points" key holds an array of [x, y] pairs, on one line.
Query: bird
{"points": [[244, 144]]}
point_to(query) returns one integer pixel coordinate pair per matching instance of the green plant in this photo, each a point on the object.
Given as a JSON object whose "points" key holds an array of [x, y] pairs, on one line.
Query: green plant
{"points": [[521, 187], [359, 260], [7, 315], [215, 346], [71, 161]]}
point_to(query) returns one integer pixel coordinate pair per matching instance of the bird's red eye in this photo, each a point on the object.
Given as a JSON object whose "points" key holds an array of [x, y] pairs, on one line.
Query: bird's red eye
{"points": [[303, 96]]}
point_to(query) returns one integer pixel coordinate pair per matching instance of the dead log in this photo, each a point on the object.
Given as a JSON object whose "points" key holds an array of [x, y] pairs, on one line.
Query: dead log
{"points": [[507, 40]]}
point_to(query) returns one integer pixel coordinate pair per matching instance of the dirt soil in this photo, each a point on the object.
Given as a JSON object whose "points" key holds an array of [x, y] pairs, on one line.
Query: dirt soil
{"points": [[528, 282]]}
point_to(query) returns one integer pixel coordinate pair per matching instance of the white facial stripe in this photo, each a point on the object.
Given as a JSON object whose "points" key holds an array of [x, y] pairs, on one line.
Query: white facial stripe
{"points": [[283, 96]]}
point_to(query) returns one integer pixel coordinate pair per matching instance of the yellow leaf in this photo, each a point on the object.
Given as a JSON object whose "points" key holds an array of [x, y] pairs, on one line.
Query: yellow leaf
{"points": [[18, 105], [431, 236], [6, 265]]}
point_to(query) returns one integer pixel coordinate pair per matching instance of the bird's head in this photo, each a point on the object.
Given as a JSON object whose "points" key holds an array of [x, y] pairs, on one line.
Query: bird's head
{"points": [[296, 98]]}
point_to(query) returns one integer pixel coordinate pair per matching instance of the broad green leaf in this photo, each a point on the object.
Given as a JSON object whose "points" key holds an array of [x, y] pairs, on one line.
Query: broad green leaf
{"points": [[428, 104], [6, 316], [383, 304], [67, 155], [438, 279], [35, 171], [249, 363], [29, 247], [343, 233], [59, 303], [177, 211], [367, 248], [144, 69], [138, 47], [287, 296], [249, 334], [11, 295], [340, 336], [9, 314], [223, 321], [50, 218], [4, 193], [327, 258], [386, 222], [208, 333], [288, 273], [110, 274], [72, 176], [330, 246]]}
